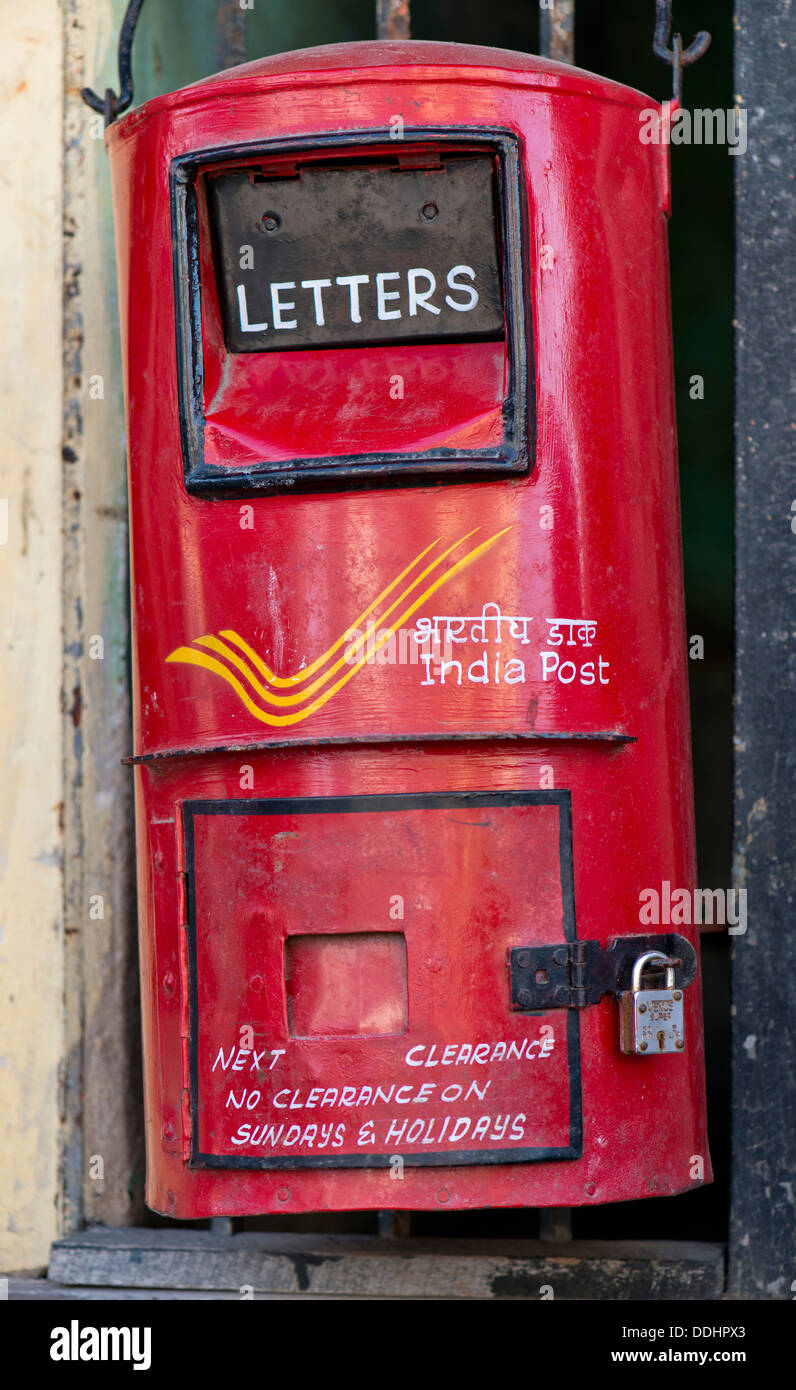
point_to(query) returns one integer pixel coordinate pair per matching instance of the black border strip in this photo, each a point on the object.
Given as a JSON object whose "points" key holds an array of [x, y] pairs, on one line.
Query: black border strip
{"points": [[519, 407], [318, 805]]}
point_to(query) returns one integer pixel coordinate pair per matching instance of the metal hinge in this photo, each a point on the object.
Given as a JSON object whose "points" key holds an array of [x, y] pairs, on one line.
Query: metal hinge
{"points": [[574, 974]]}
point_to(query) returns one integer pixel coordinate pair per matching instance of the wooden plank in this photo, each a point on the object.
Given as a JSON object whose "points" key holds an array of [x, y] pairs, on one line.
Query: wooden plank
{"points": [[369, 1267], [45, 1291], [763, 1189], [102, 1165], [31, 736]]}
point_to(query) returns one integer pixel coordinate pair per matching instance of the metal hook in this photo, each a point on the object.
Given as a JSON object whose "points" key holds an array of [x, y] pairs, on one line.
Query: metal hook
{"points": [[112, 105], [677, 56]]}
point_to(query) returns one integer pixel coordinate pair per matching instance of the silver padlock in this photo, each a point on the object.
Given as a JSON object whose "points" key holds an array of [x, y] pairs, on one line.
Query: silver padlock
{"points": [[651, 1020]]}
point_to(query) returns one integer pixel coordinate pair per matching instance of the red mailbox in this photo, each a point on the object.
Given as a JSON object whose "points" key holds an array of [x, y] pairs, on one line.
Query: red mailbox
{"points": [[411, 721]]}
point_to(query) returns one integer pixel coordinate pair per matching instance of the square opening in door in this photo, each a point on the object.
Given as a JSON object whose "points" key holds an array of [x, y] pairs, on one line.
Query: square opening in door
{"points": [[346, 984]]}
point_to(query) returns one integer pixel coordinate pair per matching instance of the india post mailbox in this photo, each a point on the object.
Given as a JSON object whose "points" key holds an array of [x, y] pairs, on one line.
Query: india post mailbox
{"points": [[411, 721]]}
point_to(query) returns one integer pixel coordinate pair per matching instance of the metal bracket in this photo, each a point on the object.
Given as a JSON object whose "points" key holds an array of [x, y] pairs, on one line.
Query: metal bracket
{"points": [[112, 105], [677, 56], [574, 974]]}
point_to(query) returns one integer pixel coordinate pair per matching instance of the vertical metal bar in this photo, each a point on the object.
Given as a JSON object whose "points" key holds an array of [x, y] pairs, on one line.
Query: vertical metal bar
{"points": [[230, 41], [762, 1229], [557, 30], [392, 19], [555, 1223], [222, 1225], [394, 1225]]}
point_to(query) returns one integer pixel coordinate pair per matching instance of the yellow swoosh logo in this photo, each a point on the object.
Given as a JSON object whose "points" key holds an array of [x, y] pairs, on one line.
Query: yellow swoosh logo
{"points": [[240, 656], [307, 671], [233, 657]]}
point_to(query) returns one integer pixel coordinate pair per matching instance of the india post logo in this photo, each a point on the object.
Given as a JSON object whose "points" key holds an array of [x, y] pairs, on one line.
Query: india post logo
{"points": [[284, 700]]}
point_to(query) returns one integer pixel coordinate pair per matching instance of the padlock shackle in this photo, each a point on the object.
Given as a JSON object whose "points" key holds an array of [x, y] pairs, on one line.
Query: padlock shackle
{"points": [[644, 960]]}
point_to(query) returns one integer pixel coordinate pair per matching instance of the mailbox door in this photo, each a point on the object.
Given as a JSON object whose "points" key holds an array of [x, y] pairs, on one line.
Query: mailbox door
{"points": [[365, 942]]}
